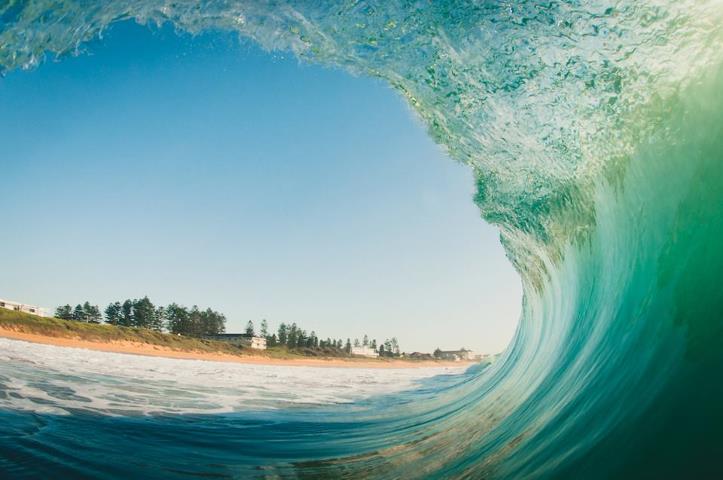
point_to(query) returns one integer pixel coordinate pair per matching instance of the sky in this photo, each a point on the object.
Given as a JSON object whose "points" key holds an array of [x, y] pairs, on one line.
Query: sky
{"points": [[204, 171]]}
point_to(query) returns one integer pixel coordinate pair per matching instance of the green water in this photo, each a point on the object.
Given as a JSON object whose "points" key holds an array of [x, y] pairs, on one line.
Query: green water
{"points": [[595, 131]]}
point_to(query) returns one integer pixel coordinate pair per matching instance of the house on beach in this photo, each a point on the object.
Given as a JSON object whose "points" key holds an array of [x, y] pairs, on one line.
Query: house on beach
{"points": [[21, 307], [454, 355], [240, 339], [364, 351]]}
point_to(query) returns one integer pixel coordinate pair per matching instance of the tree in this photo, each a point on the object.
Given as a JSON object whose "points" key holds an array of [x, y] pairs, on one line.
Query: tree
{"points": [[347, 348], [212, 323], [177, 319], [79, 313], [293, 335], [382, 353], [126, 319], [159, 319], [264, 328], [194, 322], [272, 341], [374, 345], [91, 313], [365, 342], [250, 329], [113, 313], [144, 313], [356, 342], [65, 312], [301, 338], [388, 347], [395, 346], [310, 340], [283, 334]]}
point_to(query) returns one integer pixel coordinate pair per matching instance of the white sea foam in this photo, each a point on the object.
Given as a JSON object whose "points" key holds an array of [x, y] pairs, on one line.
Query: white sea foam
{"points": [[52, 379]]}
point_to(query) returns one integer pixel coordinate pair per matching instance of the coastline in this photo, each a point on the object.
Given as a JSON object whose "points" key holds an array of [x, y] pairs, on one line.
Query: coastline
{"points": [[146, 349]]}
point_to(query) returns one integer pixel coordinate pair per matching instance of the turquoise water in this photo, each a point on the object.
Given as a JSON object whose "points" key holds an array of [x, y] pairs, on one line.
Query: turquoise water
{"points": [[595, 131]]}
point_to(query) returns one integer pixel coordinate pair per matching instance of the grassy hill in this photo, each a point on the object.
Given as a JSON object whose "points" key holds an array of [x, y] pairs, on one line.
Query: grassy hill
{"points": [[103, 333], [54, 327]]}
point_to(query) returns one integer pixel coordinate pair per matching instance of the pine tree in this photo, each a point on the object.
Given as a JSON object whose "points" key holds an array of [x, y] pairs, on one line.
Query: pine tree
{"points": [[283, 334], [395, 346], [126, 319], [195, 326], [293, 335], [250, 329], [177, 319], [92, 313], [79, 313], [113, 313], [144, 313], [264, 328], [64, 312], [159, 319]]}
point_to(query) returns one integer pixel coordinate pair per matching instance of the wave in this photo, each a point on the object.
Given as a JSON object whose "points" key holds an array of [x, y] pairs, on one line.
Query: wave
{"points": [[595, 133]]}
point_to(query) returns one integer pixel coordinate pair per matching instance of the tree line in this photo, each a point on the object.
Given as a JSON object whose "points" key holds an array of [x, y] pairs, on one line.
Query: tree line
{"points": [[142, 313], [194, 322], [293, 337], [82, 313]]}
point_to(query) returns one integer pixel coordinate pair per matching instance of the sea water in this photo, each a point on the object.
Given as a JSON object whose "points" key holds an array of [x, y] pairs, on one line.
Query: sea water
{"points": [[46, 379], [595, 133]]}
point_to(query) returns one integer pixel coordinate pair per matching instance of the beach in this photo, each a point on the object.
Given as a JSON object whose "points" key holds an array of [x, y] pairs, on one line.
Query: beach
{"points": [[139, 348]]}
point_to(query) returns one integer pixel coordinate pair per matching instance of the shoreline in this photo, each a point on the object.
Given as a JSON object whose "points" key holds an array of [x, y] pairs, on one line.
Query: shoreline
{"points": [[146, 349]]}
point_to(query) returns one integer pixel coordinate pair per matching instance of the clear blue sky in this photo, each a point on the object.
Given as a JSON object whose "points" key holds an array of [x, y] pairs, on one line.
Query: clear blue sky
{"points": [[204, 171]]}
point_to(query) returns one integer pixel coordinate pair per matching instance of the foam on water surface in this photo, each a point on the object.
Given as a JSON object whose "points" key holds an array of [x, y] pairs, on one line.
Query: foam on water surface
{"points": [[50, 379]]}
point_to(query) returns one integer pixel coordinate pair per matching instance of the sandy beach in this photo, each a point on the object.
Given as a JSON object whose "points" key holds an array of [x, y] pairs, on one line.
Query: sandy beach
{"points": [[137, 348]]}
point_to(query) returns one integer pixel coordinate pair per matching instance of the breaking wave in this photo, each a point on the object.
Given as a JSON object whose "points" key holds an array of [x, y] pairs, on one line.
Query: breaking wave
{"points": [[595, 132]]}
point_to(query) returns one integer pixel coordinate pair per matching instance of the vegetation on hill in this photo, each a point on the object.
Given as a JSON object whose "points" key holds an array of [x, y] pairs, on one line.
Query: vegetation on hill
{"points": [[105, 333], [295, 338], [194, 322], [142, 313], [95, 332]]}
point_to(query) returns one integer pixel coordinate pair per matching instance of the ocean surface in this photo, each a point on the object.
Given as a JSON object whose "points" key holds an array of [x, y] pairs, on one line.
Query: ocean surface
{"points": [[595, 133], [76, 413], [46, 379]]}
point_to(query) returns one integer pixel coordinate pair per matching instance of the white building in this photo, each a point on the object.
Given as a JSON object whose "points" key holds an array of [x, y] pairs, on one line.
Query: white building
{"points": [[258, 343], [477, 356], [364, 351], [241, 339], [454, 355], [21, 307]]}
